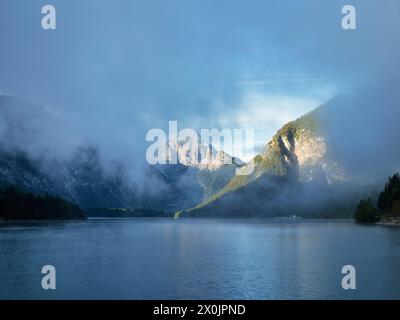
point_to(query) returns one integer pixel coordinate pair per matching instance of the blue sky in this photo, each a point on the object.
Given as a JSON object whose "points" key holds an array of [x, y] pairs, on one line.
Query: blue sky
{"points": [[118, 68]]}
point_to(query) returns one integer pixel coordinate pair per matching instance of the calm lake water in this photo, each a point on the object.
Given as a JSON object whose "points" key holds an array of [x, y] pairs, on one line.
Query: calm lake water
{"points": [[199, 259]]}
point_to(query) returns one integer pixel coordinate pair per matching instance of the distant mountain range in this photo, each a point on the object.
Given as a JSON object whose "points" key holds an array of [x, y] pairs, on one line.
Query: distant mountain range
{"points": [[306, 169], [82, 179]]}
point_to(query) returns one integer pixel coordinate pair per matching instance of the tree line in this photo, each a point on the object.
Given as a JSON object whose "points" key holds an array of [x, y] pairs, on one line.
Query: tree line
{"points": [[387, 205], [16, 204]]}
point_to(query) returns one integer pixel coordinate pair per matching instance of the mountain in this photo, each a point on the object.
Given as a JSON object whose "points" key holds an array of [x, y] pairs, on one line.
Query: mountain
{"points": [[27, 131], [198, 154], [300, 171], [82, 178], [200, 167], [79, 180]]}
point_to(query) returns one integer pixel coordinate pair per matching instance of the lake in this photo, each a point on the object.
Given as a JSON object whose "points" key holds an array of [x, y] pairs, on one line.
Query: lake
{"points": [[199, 259]]}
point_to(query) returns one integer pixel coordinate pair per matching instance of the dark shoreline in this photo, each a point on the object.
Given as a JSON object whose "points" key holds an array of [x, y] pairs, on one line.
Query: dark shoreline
{"points": [[233, 219], [393, 221]]}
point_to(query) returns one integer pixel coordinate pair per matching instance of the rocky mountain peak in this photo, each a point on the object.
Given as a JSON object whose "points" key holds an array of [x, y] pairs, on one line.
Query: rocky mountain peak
{"points": [[199, 155]]}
